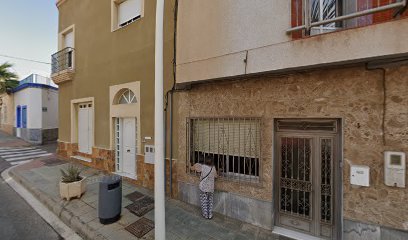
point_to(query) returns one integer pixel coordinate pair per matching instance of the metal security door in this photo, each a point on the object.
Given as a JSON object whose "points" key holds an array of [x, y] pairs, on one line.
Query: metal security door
{"points": [[296, 200], [304, 180]]}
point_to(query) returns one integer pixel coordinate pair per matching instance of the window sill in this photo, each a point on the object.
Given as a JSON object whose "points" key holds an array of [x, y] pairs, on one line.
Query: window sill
{"points": [[115, 29]]}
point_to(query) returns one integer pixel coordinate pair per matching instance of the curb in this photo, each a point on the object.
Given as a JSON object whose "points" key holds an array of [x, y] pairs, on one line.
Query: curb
{"points": [[61, 228], [58, 208]]}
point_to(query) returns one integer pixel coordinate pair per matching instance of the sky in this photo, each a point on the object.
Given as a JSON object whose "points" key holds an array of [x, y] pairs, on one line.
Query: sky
{"points": [[28, 29]]}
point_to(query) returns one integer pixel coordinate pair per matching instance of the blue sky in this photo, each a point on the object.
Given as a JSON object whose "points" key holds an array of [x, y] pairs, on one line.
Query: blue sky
{"points": [[28, 29]]}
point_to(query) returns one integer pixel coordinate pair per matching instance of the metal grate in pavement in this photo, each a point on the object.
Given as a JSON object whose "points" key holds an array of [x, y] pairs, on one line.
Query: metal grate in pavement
{"points": [[52, 162], [141, 206], [140, 227], [134, 196]]}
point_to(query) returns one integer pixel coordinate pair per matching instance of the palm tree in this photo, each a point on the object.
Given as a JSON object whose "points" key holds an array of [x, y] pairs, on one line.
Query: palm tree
{"points": [[8, 79]]}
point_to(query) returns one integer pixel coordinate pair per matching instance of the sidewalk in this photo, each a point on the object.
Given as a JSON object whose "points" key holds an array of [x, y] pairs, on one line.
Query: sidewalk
{"points": [[183, 221], [7, 140]]}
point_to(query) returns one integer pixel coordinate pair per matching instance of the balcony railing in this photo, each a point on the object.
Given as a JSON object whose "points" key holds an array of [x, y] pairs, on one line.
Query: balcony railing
{"points": [[62, 60], [320, 16]]}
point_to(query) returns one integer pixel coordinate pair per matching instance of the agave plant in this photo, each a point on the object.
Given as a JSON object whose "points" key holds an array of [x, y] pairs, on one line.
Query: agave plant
{"points": [[71, 174]]}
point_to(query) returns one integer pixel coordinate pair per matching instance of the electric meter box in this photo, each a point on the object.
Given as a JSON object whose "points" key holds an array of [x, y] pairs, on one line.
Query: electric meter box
{"points": [[149, 154], [394, 169], [360, 175]]}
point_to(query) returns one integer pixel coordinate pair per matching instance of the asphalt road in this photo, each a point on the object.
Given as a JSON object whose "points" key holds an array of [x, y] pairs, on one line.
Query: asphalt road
{"points": [[17, 219]]}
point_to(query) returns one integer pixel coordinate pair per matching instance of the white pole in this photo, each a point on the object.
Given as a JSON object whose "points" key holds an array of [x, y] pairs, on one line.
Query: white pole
{"points": [[159, 195]]}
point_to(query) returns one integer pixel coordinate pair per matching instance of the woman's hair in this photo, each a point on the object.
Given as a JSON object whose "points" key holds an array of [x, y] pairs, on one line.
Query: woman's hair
{"points": [[208, 160]]}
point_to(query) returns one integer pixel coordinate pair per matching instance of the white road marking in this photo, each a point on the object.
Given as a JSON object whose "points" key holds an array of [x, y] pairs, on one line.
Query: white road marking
{"points": [[20, 162], [61, 228], [20, 152], [20, 155], [37, 152], [28, 157], [14, 149]]}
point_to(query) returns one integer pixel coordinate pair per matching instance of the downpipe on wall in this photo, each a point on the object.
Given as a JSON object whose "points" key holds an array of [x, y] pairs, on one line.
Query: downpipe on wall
{"points": [[171, 93], [382, 65]]}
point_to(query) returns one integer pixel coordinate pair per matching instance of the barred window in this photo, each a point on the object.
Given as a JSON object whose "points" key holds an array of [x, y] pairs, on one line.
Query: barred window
{"points": [[233, 143]]}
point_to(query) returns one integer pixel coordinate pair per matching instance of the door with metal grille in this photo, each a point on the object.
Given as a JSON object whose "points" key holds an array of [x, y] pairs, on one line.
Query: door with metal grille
{"points": [[304, 176]]}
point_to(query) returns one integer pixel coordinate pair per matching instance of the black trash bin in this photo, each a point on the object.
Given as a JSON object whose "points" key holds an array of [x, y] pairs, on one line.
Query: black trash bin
{"points": [[110, 199]]}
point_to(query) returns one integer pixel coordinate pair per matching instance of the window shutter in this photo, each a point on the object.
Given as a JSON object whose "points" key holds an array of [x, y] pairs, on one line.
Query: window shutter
{"points": [[232, 138], [297, 17], [69, 40], [128, 10]]}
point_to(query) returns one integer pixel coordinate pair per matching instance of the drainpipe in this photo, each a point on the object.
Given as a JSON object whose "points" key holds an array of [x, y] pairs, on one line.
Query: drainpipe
{"points": [[159, 171], [165, 142], [172, 92], [171, 143]]}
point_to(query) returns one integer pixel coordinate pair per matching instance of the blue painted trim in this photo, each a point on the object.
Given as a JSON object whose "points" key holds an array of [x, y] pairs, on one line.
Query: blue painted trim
{"points": [[32, 85], [18, 118], [24, 116]]}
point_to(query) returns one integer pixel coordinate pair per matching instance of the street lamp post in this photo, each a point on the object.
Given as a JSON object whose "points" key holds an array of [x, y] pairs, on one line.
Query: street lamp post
{"points": [[159, 174]]}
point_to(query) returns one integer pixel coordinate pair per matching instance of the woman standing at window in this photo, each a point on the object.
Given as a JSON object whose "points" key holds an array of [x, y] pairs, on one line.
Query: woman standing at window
{"points": [[206, 186]]}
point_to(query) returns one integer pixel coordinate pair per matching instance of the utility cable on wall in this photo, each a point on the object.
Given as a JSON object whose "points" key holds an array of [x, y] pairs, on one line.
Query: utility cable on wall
{"points": [[25, 59]]}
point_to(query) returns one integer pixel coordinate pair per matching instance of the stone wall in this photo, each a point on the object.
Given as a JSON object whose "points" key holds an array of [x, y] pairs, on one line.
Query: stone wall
{"points": [[49, 135], [104, 159], [354, 94], [37, 136], [8, 128]]}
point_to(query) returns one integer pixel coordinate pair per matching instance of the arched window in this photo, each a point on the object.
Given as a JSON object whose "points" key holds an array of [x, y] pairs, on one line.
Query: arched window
{"points": [[127, 97]]}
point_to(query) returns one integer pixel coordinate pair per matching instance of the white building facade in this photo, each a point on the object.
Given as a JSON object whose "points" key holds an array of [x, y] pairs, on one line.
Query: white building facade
{"points": [[36, 110]]}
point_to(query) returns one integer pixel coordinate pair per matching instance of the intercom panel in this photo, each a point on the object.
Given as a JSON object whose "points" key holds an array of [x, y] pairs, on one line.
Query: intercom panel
{"points": [[394, 169]]}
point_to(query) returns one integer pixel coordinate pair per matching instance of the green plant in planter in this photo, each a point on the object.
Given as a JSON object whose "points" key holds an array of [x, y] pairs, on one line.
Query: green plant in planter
{"points": [[71, 174]]}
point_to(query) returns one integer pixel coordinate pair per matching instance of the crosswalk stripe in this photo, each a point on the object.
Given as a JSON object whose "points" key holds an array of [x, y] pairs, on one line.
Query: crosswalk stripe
{"points": [[22, 153], [15, 149], [5, 148], [27, 157], [19, 162], [8, 148]]}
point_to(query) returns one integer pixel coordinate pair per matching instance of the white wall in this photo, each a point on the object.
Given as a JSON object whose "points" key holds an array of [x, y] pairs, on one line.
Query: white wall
{"points": [[215, 37], [213, 28], [44, 80], [50, 101], [32, 98], [35, 99]]}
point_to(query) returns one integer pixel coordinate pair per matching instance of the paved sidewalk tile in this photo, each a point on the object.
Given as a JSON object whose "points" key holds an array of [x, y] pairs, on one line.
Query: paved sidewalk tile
{"points": [[183, 221]]}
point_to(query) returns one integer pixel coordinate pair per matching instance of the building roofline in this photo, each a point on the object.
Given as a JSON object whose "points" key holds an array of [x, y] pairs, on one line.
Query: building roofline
{"points": [[58, 3], [32, 85]]}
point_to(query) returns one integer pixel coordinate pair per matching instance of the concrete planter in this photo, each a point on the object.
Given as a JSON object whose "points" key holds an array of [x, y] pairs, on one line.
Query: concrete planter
{"points": [[73, 189]]}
